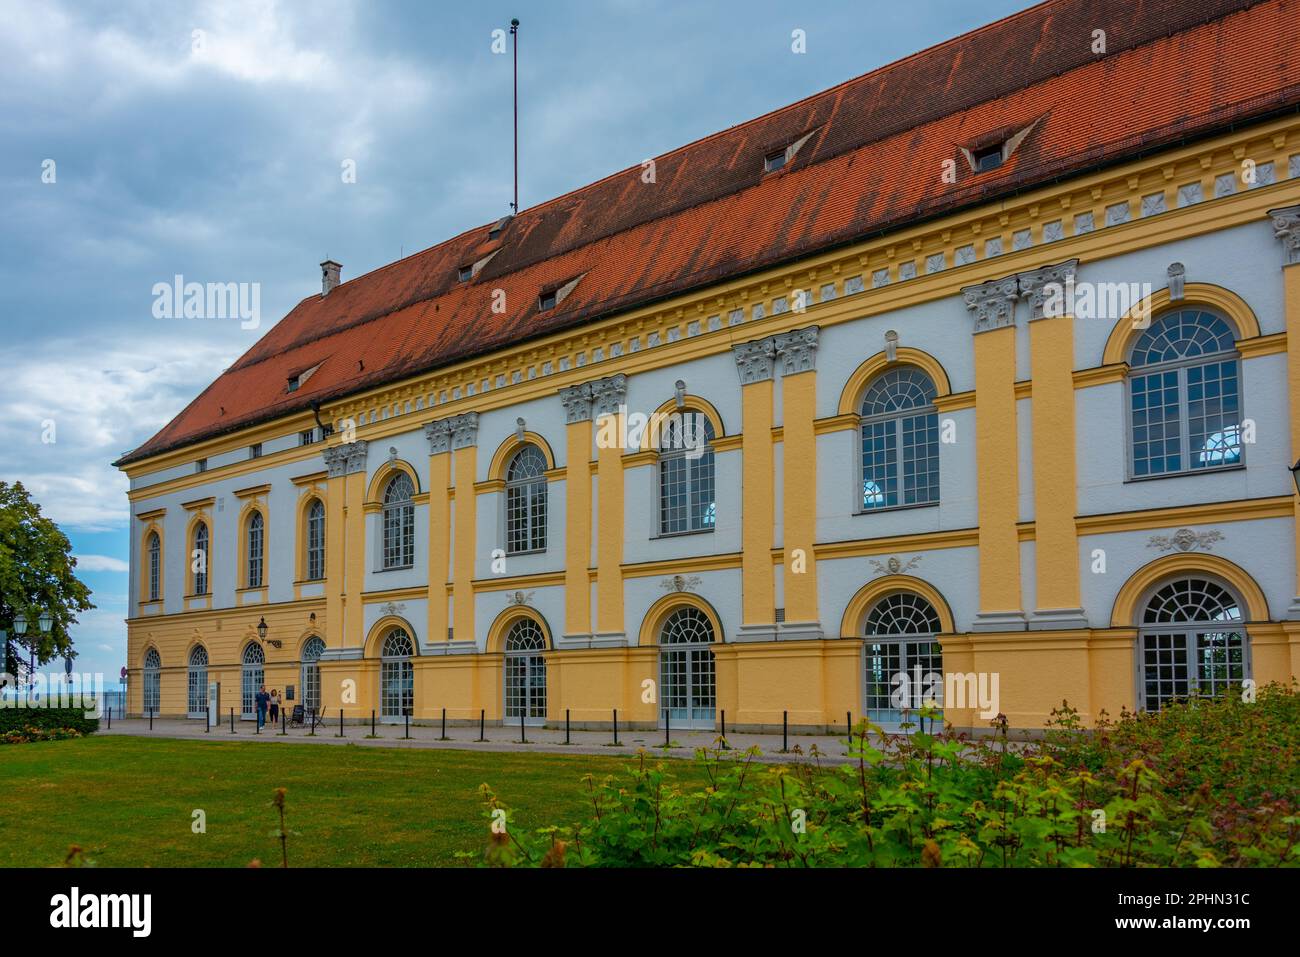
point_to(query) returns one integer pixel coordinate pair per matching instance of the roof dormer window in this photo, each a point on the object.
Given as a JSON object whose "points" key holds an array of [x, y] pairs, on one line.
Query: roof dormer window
{"points": [[774, 161], [987, 159], [546, 301], [465, 273]]}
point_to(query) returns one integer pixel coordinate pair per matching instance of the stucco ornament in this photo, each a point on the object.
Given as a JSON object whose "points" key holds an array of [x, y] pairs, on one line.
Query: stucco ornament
{"points": [[393, 608], [519, 598], [893, 565], [680, 583], [1185, 540]]}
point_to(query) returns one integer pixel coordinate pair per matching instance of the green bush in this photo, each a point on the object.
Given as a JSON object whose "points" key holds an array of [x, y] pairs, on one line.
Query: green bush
{"points": [[20, 719], [28, 735], [1204, 783]]}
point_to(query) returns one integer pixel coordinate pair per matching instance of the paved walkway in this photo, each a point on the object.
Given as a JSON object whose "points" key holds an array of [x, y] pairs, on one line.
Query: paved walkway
{"points": [[499, 738]]}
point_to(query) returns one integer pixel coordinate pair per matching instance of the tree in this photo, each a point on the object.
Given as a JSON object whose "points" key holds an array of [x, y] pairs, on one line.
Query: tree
{"points": [[36, 578]]}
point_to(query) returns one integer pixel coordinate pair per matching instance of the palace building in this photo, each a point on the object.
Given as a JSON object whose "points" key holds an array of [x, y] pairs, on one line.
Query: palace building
{"points": [[983, 365]]}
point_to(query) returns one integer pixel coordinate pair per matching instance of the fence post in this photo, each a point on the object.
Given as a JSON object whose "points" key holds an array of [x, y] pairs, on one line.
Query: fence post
{"points": [[340, 722], [481, 713], [444, 726], [566, 725], [785, 732], [616, 727]]}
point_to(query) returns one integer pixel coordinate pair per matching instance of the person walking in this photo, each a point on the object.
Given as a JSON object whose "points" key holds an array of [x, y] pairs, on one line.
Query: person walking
{"points": [[275, 705], [263, 699]]}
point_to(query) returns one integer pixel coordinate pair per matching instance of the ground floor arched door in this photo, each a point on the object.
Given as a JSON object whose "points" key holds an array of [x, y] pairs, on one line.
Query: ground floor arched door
{"points": [[311, 653], [525, 673], [396, 677], [251, 680], [687, 686]]}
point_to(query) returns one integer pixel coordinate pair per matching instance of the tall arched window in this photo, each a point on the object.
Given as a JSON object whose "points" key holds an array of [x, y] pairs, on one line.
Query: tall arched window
{"points": [[1184, 395], [198, 682], [526, 501], [399, 522], [526, 672], [199, 559], [311, 652], [1193, 642], [316, 540], [687, 502], [256, 531], [251, 679], [155, 566], [152, 681], [904, 663], [687, 692], [900, 440], [396, 676]]}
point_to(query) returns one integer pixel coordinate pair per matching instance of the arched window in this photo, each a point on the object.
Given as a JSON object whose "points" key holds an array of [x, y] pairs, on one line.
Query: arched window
{"points": [[316, 540], [1193, 642], [526, 672], [686, 481], [1184, 389], [904, 664], [255, 538], [399, 522], [396, 676], [198, 683], [687, 692], [900, 440], [252, 679], [526, 501], [152, 681], [311, 652], [155, 566], [199, 559]]}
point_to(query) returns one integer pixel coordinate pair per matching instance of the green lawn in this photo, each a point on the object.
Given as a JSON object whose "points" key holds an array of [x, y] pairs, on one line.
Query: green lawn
{"points": [[128, 801]]}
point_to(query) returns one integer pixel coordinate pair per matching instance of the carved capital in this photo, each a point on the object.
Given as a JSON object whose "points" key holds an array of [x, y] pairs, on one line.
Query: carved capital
{"points": [[346, 459], [464, 430], [607, 395], [797, 349], [755, 361], [577, 403], [1286, 227], [1048, 283], [439, 435], [993, 302]]}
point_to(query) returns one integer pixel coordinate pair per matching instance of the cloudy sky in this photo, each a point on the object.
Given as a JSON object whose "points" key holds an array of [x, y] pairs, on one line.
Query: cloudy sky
{"points": [[208, 139]]}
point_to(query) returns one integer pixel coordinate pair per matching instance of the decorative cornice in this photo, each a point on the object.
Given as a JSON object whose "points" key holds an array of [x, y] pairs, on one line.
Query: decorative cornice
{"points": [[797, 349], [345, 459], [439, 435], [1286, 227], [608, 394], [577, 403], [1038, 285], [993, 302], [755, 361]]}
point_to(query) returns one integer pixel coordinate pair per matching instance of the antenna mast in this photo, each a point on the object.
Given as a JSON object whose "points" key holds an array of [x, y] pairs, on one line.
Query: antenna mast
{"points": [[514, 43]]}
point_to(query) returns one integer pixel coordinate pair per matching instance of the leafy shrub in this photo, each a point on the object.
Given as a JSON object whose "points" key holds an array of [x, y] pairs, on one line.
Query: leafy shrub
{"points": [[28, 735], [19, 719], [1203, 783]]}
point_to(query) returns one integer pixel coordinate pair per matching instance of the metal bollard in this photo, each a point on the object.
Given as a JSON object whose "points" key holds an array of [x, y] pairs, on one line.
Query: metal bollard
{"points": [[785, 732], [151, 719], [232, 720], [848, 722], [372, 722], [207, 719], [481, 713], [313, 721], [523, 737], [668, 734], [284, 723], [407, 715], [340, 722], [616, 727], [725, 746], [566, 725], [444, 726], [110, 717]]}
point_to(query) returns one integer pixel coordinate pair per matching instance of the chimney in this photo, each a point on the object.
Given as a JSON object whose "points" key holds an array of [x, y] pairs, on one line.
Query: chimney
{"points": [[329, 276]]}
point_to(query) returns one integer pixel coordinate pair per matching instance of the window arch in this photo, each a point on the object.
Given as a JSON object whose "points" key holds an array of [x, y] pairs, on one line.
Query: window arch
{"points": [[904, 664], [525, 672], [255, 542], [687, 687], [526, 501], [311, 652], [687, 487], [899, 434], [315, 569], [199, 559], [154, 548], [152, 681], [396, 676], [1192, 640], [1184, 394], [399, 522], [251, 679], [198, 682]]}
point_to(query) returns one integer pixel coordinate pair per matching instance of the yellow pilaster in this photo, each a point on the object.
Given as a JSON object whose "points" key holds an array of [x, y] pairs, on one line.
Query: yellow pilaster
{"points": [[758, 583], [439, 529], [1051, 346], [577, 510], [799, 472], [354, 531], [334, 559], [609, 395], [345, 544], [465, 462], [1291, 298]]}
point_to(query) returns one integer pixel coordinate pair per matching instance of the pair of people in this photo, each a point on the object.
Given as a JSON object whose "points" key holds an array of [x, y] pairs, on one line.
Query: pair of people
{"points": [[267, 701]]}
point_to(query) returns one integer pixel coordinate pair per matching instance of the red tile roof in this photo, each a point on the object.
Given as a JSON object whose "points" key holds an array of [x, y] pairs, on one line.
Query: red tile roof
{"points": [[1173, 70]]}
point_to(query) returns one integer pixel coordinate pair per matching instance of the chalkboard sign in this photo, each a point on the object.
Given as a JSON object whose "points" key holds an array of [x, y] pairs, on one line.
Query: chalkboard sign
{"points": [[288, 692]]}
